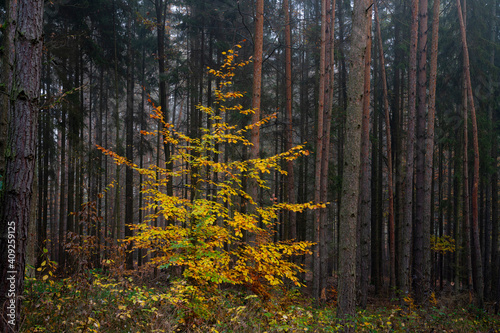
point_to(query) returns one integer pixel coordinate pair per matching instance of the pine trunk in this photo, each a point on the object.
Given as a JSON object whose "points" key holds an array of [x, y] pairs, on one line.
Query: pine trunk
{"points": [[253, 189], [292, 217], [129, 148], [319, 157], [421, 226], [161, 20], [406, 226], [390, 186], [22, 64], [327, 120], [350, 182], [476, 249], [429, 148], [364, 217]]}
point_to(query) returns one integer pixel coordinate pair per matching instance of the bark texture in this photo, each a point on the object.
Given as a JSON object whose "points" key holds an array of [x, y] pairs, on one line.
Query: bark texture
{"points": [[22, 61], [364, 218], [256, 89], [421, 226], [352, 163], [406, 225]]}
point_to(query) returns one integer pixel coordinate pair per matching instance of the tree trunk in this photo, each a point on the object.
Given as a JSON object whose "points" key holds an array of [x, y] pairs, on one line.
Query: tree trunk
{"points": [[457, 205], [494, 177], [102, 236], [62, 194], [43, 148], [429, 147], [344, 7], [352, 163], [376, 211], [495, 258], [129, 148], [161, 19], [466, 194], [319, 155], [253, 189], [73, 138], [478, 269], [325, 162], [406, 227], [390, 186], [397, 129], [364, 217], [142, 111], [421, 226], [292, 217], [22, 64], [489, 271]]}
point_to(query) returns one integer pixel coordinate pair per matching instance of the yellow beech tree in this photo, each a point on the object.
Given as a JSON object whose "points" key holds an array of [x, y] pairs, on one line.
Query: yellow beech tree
{"points": [[206, 236]]}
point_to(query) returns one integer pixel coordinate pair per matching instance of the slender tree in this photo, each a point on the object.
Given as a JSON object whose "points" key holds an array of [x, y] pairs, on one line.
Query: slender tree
{"points": [[292, 218], [161, 20], [495, 268], [476, 249], [364, 217], [429, 145], [325, 162], [129, 148], [390, 186], [256, 90], [406, 226], [421, 226], [319, 155]]}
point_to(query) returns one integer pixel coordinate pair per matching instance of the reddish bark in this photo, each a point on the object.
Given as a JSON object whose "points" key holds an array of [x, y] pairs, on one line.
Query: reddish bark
{"points": [[476, 250], [161, 14]]}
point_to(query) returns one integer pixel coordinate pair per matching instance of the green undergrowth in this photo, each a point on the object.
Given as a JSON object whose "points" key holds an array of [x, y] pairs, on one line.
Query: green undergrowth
{"points": [[93, 302]]}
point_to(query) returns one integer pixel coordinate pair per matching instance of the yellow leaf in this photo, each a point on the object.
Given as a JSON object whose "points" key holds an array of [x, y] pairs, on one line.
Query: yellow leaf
{"points": [[45, 277]]}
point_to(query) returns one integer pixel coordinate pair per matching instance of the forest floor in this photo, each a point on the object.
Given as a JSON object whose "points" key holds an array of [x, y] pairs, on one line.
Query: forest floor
{"points": [[94, 302]]}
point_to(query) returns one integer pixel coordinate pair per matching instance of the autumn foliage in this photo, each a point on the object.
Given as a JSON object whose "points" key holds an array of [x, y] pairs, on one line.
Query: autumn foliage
{"points": [[207, 232]]}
